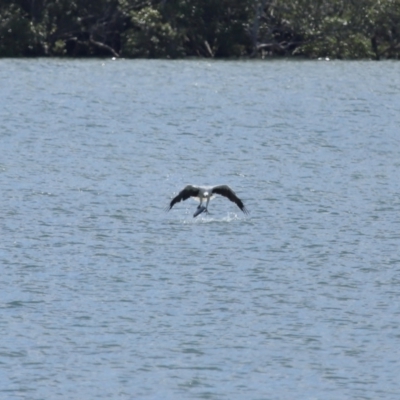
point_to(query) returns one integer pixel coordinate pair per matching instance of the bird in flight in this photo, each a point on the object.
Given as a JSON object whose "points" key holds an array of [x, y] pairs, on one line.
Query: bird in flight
{"points": [[206, 193]]}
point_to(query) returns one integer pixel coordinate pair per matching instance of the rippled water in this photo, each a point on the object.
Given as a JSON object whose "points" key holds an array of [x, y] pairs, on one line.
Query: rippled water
{"points": [[104, 295]]}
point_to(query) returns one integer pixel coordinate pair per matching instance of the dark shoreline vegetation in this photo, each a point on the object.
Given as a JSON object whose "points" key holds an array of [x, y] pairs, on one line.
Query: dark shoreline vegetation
{"points": [[344, 29]]}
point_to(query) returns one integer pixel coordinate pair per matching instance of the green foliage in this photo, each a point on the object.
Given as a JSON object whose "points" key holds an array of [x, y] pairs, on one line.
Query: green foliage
{"points": [[207, 28], [216, 28], [337, 38], [151, 36], [341, 28], [18, 35]]}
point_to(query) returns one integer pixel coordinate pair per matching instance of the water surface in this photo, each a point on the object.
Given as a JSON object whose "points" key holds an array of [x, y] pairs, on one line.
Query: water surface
{"points": [[104, 295]]}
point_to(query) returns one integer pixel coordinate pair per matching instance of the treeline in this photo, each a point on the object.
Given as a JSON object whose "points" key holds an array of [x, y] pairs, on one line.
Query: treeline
{"points": [[204, 28]]}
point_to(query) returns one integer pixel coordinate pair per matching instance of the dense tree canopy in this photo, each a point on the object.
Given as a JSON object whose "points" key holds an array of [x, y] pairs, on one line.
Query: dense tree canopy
{"points": [[207, 28]]}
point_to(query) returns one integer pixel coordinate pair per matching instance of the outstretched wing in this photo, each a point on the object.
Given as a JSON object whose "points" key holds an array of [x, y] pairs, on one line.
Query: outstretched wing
{"points": [[226, 191], [184, 194]]}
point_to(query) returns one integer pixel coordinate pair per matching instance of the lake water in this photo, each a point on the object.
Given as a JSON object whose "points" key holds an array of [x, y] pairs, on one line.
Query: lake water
{"points": [[104, 295]]}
